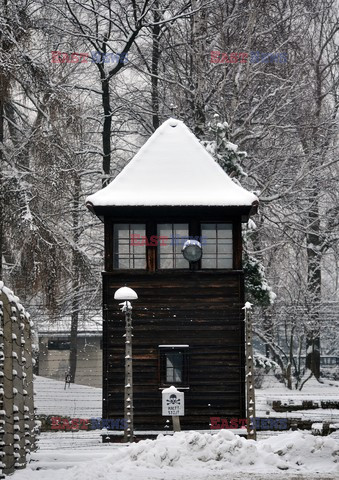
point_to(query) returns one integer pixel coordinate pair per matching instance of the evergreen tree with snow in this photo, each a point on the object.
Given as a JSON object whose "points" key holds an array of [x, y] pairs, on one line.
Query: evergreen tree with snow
{"points": [[230, 158], [226, 153]]}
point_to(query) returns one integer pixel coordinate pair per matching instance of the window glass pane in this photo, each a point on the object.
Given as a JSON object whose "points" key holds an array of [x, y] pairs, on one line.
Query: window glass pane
{"points": [[121, 230], [225, 248], [180, 230], [209, 248], [165, 229], [123, 262], [208, 230], [217, 245], [225, 262], [208, 262], [169, 254], [180, 262], [137, 229], [139, 263], [123, 248], [174, 367], [128, 253], [178, 247], [167, 248], [224, 230], [139, 250], [166, 262]]}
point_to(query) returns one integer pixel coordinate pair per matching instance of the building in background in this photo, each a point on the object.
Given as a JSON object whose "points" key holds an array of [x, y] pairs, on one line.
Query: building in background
{"points": [[54, 350]]}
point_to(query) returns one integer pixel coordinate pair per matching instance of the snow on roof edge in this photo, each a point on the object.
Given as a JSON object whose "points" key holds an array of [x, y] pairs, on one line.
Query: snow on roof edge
{"points": [[121, 191]]}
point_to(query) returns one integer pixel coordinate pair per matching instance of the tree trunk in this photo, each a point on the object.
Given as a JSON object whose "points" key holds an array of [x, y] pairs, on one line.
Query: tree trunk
{"points": [[155, 66], [3, 93], [314, 286], [75, 282], [1, 174], [106, 131], [74, 338], [198, 74]]}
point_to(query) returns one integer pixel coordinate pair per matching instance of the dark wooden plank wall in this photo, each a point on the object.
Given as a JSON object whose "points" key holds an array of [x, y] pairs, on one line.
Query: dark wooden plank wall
{"points": [[202, 309]]}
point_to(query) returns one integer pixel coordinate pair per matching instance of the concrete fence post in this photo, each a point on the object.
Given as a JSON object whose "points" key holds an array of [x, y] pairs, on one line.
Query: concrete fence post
{"points": [[17, 424]]}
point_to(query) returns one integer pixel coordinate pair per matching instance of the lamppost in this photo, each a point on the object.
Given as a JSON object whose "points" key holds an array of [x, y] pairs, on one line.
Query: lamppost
{"points": [[126, 294]]}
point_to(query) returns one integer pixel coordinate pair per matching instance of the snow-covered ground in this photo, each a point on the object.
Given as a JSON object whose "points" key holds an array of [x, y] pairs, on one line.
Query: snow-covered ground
{"points": [[313, 390], [77, 401], [186, 455]]}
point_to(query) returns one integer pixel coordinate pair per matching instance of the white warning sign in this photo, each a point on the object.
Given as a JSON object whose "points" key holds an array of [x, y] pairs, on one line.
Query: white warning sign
{"points": [[172, 402]]}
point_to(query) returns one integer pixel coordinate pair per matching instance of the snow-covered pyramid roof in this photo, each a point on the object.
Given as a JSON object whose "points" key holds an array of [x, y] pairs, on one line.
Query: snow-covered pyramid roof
{"points": [[172, 169]]}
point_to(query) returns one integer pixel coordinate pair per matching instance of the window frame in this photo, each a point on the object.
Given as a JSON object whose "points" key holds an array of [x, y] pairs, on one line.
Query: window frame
{"points": [[151, 254], [215, 222], [115, 255], [173, 253], [163, 351]]}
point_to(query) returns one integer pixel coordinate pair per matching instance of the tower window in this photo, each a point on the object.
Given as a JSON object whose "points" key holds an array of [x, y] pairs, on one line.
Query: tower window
{"points": [[217, 245], [171, 238], [129, 246]]}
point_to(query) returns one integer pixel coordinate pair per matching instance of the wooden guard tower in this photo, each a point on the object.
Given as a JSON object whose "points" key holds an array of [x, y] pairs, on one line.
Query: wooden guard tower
{"points": [[188, 323]]}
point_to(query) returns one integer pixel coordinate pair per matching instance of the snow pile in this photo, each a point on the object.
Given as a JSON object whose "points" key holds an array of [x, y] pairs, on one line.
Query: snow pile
{"points": [[188, 455], [305, 452], [188, 450], [295, 451]]}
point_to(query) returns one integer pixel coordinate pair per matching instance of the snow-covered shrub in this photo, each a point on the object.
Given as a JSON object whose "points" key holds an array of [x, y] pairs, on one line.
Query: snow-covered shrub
{"points": [[263, 366]]}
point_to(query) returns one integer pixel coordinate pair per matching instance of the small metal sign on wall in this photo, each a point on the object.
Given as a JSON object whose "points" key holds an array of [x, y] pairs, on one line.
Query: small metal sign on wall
{"points": [[173, 403]]}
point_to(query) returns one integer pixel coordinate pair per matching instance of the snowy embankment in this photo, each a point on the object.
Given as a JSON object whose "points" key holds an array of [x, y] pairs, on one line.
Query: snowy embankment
{"points": [[202, 456]]}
